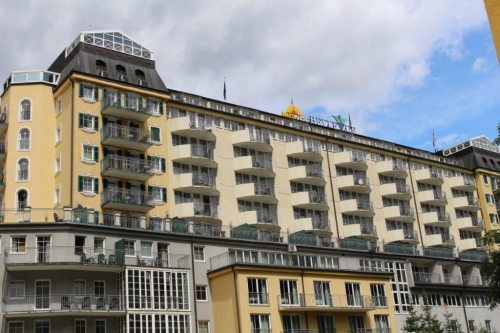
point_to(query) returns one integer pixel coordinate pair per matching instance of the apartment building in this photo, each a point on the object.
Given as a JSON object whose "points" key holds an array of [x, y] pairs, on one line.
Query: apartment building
{"points": [[167, 210]]}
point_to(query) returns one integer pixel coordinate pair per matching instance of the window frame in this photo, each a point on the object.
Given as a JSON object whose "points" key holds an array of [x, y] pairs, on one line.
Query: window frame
{"points": [[207, 322], [201, 290], [95, 92], [94, 153], [23, 291], [18, 171], [58, 134], [75, 287], [41, 321], [57, 194], [103, 288], [95, 186], [150, 255], [21, 110], [15, 328], [58, 105], [197, 247], [84, 324], [57, 164], [127, 254], [151, 136], [83, 121], [12, 242], [100, 320], [19, 139]]}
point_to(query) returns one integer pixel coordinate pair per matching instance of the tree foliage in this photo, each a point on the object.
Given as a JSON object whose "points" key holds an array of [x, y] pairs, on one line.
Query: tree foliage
{"points": [[497, 140], [426, 322], [490, 268]]}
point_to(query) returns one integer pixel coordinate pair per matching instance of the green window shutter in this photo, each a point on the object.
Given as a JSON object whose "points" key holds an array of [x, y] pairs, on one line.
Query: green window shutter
{"points": [[126, 100], [96, 93], [96, 123], [96, 185], [80, 120], [160, 106], [96, 154], [150, 189], [80, 183], [163, 168], [104, 183], [80, 91], [164, 194], [155, 134], [140, 103], [119, 98], [148, 101], [104, 92]]}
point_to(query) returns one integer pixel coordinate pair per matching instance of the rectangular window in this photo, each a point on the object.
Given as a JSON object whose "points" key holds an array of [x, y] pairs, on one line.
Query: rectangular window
{"points": [[260, 324], [156, 134], [156, 163], [42, 326], [490, 200], [257, 291], [486, 180], [472, 327], [16, 327], [79, 288], [16, 289], [18, 244], [158, 193], [98, 245], [59, 105], [57, 164], [382, 323], [58, 133], [203, 327], [199, 253], [88, 184], [80, 326], [353, 292], [99, 288], [289, 292], [100, 326], [201, 293], [454, 326], [146, 249], [494, 218], [57, 195], [129, 248], [88, 121], [487, 326], [378, 294], [88, 153]]}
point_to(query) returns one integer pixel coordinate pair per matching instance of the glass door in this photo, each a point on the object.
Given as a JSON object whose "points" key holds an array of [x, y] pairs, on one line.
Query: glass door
{"points": [[43, 249], [42, 295], [353, 293], [289, 292], [322, 293], [326, 324], [357, 324], [291, 323]]}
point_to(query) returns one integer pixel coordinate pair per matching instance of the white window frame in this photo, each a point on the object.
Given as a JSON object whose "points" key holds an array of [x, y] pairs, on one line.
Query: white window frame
{"points": [[84, 287], [16, 199], [57, 194], [12, 242], [125, 250], [159, 189], [207, 322], [85, 324], [15, 322], [41, 321], [195, 247], [150, 254], [18, 170], [151, 135], [92, 147], [21, 109], [91, 87], [156, 110], [58, 133], [155, 162], [84, 178], [19, 139], [58, 105], [103, 245], [100, 320], [203, 289], [490, 199], [57, 164], [494, 219], [90, 129], [24, 290]]}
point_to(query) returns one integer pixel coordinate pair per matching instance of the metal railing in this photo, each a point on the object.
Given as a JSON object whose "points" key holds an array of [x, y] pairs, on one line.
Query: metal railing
{"points": [[477, 222], [326, 301], [399, 165], [315, 197], [315, 240], [204, 179], [444, 217], [130, 197], [448, 239], [406, 249], [357, 156], [411, 235], [24, 144], [420, 277], [472, 280], [207, 229], [402, 188], [364, 204], [368, 229], [126, 133], [64, 302], [202, 151], [473, 255], [129, 164], [320, 223], [452, 279], [439, 252], [264, 189], [407, 211], [361, 181], [299, 330], [3, 147], [258, 298], [266, 216], [371, 330], [201, 123], [315, 170], [473, 202], [262, 161], [439, 195], [311, 147], [205, 209], [260, 137]]}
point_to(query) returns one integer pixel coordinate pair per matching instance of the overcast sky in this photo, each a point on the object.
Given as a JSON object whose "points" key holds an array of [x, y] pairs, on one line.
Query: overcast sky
{"points": [[400, 68]]}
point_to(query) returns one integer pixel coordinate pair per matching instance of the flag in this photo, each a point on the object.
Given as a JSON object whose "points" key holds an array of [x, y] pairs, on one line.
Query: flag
{"points": [[434, 139], [224, 91], [350, 124]]}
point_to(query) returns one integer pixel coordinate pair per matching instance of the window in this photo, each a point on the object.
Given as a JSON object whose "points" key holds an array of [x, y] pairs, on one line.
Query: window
{"points": [[88, 92], [42, 326], [79, 288], [156, 134], [57, 164], [101, 69], [490, 200], [18, 244], [157, 164], [88, 122], [353, 292], [382, 323], [261, 324], [472, 327], [146, 249], [59, 105], [454, 326], [486, 180], [80, 326], [199, 253], [121, 73], [487, 325], [57, 194], [24, 139], [25, 114], [141, 78], [16, 289], [79, 245], [100, 326], [88, 184], [22, 200], [90, 153], [23, 166], [378, 293], [129, 247], [99, 245], [203, 327], [58, 133], [99, 288], [257, 291], [154, 106], [399, 285], [16, 327], [158, 193], [201, 293], [494, 218], [289, 292]]}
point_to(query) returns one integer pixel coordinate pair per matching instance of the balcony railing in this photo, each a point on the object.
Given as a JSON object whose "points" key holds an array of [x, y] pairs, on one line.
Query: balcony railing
{"points": [[128, 164], [320, 223], [315, 197], [202, 151], [314, 170], [261, 161], [420, 277], [452, 279], [439, 252], [363, 204], [406, 249], [64, 302], [129, 197], [326, 301], [258, 298], [126, 133], [264, 189], [207, 229], [205, 209], [265, 216], [444, 217], [260, 137], [3, 147], [472, 280], [473, 255], [439, 195], [204, 179], [402, 188]]}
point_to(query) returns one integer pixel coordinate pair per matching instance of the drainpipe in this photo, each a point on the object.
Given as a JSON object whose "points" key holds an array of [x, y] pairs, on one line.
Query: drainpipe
{"points": [[237, 301], [331, 188], [304, 292], [194, 287], [465, 311], [71, 143], [416, 207]]}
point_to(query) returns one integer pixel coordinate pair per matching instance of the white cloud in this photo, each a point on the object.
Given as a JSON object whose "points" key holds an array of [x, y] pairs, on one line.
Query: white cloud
{"points": [[481, 65]]}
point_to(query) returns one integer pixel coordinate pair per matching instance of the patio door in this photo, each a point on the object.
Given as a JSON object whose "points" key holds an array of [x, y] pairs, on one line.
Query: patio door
{"points": [[291, 323], [43, 249], [326, 324], [42, 294], [322, 293]]}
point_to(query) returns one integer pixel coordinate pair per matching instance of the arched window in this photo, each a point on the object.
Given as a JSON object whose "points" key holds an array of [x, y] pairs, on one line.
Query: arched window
{"points": [[23, 169], [101, 69], [121, 73], [22, 200], [25, 110], [141, 78], [24, 139]]}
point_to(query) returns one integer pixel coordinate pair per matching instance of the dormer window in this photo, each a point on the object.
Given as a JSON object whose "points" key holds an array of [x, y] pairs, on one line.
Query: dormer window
{"points": [[121, 73], [101, 69], [141, 78]]}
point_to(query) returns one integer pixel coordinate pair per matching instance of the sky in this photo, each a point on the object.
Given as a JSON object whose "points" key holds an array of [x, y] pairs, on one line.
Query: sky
{"points": [[399, 68]]}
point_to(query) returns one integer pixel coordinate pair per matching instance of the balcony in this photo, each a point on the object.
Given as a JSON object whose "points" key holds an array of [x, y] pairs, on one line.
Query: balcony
{"points": [[429, 176], [439, 252], [470, 204], [326, 302], [194, 154], [197, 212], [463, 184], [436, 219], [312, 223], [304, 151], [353, 183], [3, 121], [471, 280], [470, 223], [200, 183], [310, 200], [397, 213], [358, 207], [308, 174], [256, 192], [208, 229], [123, 199], [365, 230], [251, 232], [129, 107], [105, 305], [3, 150], [473, 255], [498, 206], [252, 140], [255, 165], [396, 191], [192, 127], [393, 168], [431, 197], [262, 218], [125, 137], [472, 244], [420, 277], [440, 239], [399, 248], [310, 239], [405, 236], [351, 159], [452, 279], [125, 168]]}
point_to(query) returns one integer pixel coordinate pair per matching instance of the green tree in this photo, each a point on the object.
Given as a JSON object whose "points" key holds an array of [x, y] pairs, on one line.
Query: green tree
{"points": [[490, 268], [497, 140], [426, 322], [449, 325], [412, 323]]}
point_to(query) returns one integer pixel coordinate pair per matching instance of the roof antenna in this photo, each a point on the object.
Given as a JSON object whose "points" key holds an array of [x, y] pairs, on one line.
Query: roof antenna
{"points": [[90, 26]]}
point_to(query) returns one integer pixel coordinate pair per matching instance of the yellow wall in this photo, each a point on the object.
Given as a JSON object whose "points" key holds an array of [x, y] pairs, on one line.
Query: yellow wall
{"points": [[493, 11], [483, 189], [222, 287]]}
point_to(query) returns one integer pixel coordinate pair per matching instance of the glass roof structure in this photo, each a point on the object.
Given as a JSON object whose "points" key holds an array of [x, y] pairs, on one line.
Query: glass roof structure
{"points": [[113, 40], [480, 142], [19, 77]]}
